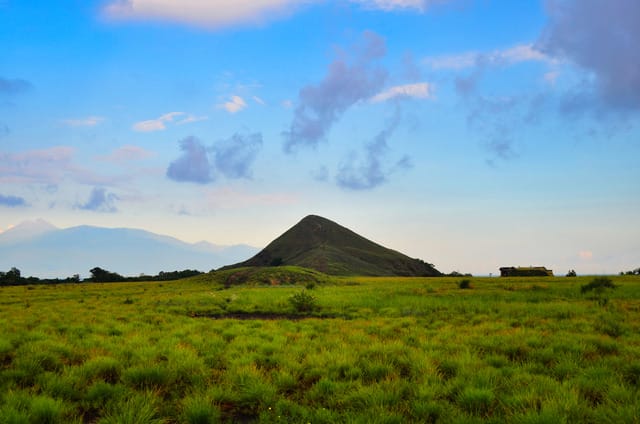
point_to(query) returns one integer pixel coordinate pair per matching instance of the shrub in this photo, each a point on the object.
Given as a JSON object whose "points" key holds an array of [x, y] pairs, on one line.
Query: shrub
{"points": [[464, 284], [598, 285], [303, 301], [571, 273]]}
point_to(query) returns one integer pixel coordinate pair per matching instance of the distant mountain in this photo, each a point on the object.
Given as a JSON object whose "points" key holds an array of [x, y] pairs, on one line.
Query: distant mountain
{"points": [[27, 230], [323, 245], [39, 249]]}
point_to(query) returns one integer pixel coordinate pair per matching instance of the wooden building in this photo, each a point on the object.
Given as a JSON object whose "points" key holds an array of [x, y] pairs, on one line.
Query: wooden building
{"points": [[525, 271]]}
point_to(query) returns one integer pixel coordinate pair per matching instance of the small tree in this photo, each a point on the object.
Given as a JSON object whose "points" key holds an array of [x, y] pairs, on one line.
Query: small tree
{"points": [[99, 275], [571, 273]]}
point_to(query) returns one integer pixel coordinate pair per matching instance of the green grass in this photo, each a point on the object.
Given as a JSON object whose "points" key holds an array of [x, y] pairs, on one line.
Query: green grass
{"points": [[529, 350]]}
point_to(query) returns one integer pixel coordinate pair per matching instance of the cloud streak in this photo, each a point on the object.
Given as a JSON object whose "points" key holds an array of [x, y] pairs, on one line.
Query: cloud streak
{"points": [[421, 90], [393, 5], [47, 166], [14, 86], [90, 121], [100, 201], [347, 82], [369, 170], [158, 124], [204, 13], [12, 201], [513, 55], [126, 153]]}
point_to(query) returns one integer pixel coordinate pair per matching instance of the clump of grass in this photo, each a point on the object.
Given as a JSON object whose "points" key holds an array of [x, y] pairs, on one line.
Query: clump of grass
{"points": [[303, 301], [476, 401], [46, 410], [199, 410], [138, 409]]}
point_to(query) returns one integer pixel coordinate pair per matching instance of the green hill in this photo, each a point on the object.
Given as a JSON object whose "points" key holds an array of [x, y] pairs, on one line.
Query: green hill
{"points": [[325, 246], [261, 276]]}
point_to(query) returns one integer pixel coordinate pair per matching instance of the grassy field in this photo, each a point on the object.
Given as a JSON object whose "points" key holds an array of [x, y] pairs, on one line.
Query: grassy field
{"points": [[370, 350]]}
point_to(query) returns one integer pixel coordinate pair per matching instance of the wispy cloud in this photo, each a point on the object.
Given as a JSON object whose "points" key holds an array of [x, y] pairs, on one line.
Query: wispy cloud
{"points": [[191, 118], [510, 56], [158, 124], [421, 90], [100, 201], [346, 83], [370, 170], [235, 156], [232, 158], [391, 5], [126, 154], [47, 166], [12, 201], [90, 121], [205, 13], [14, 86], [234, 105]]}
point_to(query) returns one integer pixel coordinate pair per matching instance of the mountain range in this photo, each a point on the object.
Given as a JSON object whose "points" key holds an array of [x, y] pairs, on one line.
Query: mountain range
{"points": [[38, 248], [321, 244]]}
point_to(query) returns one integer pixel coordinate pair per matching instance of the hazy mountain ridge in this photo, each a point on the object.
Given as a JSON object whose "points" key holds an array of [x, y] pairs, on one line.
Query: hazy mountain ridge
{"points": [[40, 249], [318, 243]]}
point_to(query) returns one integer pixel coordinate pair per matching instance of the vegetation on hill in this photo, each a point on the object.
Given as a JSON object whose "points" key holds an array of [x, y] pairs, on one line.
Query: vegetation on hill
{"points": [[323, 245], [265, 276]]}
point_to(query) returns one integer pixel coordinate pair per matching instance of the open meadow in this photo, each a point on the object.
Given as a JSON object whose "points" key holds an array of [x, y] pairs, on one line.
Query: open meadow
{"points": [[370, 350]]}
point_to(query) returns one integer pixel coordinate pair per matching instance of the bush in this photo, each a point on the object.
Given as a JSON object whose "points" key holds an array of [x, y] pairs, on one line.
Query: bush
{"points": [[303, 301], [598, 285], [571, 273], [464, 284]]}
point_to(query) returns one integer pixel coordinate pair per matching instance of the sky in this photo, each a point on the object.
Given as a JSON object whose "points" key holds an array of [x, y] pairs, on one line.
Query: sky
{"points": [[472, 134]]}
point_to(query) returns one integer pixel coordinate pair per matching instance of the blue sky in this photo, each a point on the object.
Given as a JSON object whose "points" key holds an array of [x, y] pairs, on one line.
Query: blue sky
{"points": [[470, 133]]}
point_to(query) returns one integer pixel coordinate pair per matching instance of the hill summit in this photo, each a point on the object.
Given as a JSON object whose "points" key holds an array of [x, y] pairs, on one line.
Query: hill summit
{"points": [[318, 243]]}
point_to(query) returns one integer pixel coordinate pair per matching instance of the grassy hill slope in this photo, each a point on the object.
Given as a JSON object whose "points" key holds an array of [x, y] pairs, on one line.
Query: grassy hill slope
{"points": [[323, 245]]}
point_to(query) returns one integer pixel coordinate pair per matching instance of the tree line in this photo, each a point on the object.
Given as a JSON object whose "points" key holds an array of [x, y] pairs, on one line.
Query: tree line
{"points": [[14, 277]]}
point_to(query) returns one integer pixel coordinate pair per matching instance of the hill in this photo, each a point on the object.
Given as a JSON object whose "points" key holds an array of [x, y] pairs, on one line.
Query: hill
{"points": [[39, 249], [318, 243], [264, 276]]}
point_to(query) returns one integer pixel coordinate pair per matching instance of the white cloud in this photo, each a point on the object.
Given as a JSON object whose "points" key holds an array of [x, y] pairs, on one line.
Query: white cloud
{"points": [[258, 100], [516, 54], [206, 13], [158, 124], [191, 118], [420, 90], [234, 105], [389, 5], [90, 121]]}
